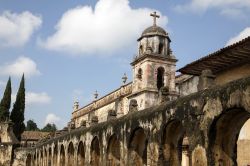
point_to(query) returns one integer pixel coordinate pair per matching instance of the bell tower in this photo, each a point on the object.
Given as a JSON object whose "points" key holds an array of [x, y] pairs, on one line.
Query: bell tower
{"points": [[154, 66]]}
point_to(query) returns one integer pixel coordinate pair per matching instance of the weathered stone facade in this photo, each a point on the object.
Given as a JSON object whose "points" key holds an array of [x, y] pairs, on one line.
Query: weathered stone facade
{"points": [[159, 118], [201, 129]]}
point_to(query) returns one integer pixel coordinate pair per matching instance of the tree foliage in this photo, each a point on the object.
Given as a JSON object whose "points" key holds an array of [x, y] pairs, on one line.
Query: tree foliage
{"points": [[17, 114], [31, 126], [49, 128], [5, 102]]}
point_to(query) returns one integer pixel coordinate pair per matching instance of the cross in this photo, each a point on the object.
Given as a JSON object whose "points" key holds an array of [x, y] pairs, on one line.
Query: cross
{"points": [[155, 16]]}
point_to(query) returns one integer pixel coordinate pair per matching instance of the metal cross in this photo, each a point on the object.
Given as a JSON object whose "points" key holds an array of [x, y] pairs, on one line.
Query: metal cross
{"points": [[154, 15]]}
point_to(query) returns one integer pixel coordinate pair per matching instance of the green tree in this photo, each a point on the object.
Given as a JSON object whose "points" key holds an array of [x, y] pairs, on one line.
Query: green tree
{"points": [[49, 128], [31, 126], [5, 102], [17, 114]]}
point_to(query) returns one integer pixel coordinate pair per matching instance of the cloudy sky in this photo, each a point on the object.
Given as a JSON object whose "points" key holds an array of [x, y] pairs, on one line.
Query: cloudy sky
{"points": [[69, 49]]}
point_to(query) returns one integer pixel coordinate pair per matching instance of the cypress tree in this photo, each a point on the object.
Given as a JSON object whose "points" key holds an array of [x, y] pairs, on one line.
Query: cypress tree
{"points": [[17, 114], [5, 102]]}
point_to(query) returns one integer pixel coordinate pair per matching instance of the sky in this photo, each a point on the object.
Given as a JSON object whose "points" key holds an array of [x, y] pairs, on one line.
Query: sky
{"points": [[69, 49]]}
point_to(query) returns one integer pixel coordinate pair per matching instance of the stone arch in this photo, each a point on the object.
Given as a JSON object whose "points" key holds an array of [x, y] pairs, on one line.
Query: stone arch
{"points": [[34, 159], [81, 154], [160, 78], [113, 151], [55, 153], [41, 158], [172, 143], [223, 136], [62, 156], [95, 152], [50, 157], [29, 160], [45, 158], [71, 154], [138, 147]]}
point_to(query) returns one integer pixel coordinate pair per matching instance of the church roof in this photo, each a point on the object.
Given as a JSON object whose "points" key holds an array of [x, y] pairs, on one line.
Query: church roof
{"points": [[227, 57], [153, 31]]}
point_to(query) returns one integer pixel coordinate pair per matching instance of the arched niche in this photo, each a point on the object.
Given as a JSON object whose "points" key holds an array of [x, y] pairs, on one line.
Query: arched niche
{"points": [[113, 151], [138, 148], [223, 136], [95, 152]]}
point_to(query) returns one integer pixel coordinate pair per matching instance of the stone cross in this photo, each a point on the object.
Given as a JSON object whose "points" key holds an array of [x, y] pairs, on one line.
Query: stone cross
{"points": [[154, 15]]}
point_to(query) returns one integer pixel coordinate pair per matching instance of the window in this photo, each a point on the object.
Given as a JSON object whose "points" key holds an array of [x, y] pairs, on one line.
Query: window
{"points": [[141, 50], [160, 48], [139, 74], [160, 77]]}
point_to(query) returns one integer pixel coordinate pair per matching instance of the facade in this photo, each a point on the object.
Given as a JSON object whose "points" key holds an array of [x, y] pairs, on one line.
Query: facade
{"points": [[160, 118]]}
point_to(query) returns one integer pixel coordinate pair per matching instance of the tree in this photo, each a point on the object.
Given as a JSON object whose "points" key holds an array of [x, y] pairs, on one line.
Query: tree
{"points": [[17, 114], [49, 128], [5, 102], [31, 126]]}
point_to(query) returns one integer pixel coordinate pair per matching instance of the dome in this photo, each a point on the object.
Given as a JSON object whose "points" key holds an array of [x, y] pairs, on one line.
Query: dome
{"points": [[154, 31]]}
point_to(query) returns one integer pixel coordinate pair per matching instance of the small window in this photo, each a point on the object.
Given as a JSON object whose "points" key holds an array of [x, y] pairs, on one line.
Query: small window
{"points": [[141, 50], [139, 74], [160, 78], [160, 48]]}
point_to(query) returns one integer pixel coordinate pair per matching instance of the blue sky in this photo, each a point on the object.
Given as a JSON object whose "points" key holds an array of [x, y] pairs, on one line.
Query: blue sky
{"points": [[69, 49]]}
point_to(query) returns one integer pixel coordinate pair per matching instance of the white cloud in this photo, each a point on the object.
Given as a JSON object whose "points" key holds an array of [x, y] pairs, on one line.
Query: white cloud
{"points": [[52, 118], [226, 7], [243, 34], [37, 98], [110, 26], [33, 98], [16, 29], [19, 66]]}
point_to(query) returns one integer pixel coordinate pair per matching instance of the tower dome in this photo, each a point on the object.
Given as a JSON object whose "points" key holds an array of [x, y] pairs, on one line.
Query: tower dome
{"points": [[154, 40], [153, 31]]}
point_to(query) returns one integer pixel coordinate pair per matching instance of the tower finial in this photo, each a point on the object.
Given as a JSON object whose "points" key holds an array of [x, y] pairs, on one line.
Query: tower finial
{"points": [[154, 15]]}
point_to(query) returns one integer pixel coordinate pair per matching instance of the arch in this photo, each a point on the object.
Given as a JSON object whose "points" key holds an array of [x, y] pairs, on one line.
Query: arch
{"points": [[140, 50], [161, 48], [113, 151], [41, 158], [95, 152], [223, 136], [45, 158], [70, 154], [62, 156], [49, 157], [138, 148], [81, 154], [55, 153], [160, 77], [29, 160], [172, 143], [139, 74], [34, 159]]}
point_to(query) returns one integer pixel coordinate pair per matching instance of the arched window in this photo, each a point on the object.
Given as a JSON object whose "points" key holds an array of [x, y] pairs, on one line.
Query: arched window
{"points": [[141, 50], [161, 48], [160, 77], [139, 74]]}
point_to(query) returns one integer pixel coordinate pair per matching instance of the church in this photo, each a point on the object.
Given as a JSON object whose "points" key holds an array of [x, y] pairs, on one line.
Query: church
{"points": [[159, 118]]}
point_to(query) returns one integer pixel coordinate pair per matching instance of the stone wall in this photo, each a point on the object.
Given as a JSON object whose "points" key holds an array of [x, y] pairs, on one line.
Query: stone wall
{"points": [[155, 135]]}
